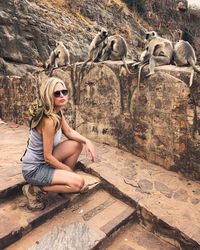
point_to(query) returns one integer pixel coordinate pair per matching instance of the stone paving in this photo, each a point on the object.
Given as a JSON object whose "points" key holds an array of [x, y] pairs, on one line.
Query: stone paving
{"points": [[166, 196]]}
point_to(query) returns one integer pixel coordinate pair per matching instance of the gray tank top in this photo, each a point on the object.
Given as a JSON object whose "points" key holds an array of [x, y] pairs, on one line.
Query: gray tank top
{"points": [[34, 155]]}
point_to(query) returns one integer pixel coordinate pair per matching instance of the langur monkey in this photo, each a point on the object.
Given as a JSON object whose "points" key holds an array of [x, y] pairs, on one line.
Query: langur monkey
{"points": [[96, 48], [159, 51], [182, 5], [116, 50], [184, 55], [59, 57]]}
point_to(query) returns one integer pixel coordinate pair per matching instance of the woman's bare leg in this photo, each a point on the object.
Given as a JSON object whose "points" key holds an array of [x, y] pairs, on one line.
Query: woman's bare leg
{"points": [[65, 182], [68, 152]]}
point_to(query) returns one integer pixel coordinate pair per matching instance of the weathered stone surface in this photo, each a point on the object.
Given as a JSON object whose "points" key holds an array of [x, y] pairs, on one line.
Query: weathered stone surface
{"points": [[145, 185], [70, 230], [163, 189], [135, 237], [73, 236], [168, 207], [29, 29], [181, 195], [20, 219]]}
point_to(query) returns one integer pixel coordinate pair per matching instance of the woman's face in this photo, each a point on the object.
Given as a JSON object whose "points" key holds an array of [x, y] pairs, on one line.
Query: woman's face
{"points": [[60, 96]]}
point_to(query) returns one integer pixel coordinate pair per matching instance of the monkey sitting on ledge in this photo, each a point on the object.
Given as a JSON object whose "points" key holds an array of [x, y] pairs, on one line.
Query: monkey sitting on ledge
{"points": [[184, 55], [59, 57], [158, 52], [95, 49], [116, 50]]}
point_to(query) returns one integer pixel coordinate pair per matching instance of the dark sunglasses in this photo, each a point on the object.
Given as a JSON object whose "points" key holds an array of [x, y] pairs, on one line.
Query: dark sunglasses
{"points": [[58, 93]]}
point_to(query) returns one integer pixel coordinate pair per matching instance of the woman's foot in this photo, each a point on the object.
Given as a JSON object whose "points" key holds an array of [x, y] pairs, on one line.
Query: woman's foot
{"points": [[33, 194]]}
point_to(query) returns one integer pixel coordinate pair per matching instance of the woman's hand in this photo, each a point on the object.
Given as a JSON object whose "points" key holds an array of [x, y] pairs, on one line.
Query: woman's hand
{"points": [[89, 150]]}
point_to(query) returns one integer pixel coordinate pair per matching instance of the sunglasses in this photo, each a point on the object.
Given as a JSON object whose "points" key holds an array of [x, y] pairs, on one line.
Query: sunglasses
{"points": [[58, 93]]}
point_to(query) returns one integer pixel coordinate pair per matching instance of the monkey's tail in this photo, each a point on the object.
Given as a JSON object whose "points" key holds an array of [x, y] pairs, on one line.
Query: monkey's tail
{"points": [[191, 77], [50, 71], [80, 76], [194, 69], [140, 72], [192, 63], [125, 64]]}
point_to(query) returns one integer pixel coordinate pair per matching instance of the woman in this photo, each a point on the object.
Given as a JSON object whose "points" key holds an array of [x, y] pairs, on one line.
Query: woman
{"points": [[48, 163]]}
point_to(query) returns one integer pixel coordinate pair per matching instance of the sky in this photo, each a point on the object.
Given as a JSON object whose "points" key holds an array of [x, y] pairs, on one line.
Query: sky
{"points": [[194, 2]]}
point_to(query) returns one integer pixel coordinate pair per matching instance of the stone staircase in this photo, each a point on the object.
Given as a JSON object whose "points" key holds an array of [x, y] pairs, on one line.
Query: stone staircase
{"points": [[130, 205]]}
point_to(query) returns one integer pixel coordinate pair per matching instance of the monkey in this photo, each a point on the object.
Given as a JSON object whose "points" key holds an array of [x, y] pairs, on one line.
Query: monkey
{"points": [[50, 62], [159, 51], [182, 5], [58, 57], [115, 50], [62, 55], [184, 55], [95, 48]]}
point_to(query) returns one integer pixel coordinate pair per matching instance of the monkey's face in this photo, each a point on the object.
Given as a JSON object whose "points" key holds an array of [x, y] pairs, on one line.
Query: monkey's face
{"points": [[104, 33], [182, 6], [150, 35], [59, 43]]}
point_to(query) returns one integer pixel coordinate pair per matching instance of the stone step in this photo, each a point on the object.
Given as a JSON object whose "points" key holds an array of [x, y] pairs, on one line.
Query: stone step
{"points": [[16, 220], [82, 226], [168, 203], [12, 146], [136, 237]]}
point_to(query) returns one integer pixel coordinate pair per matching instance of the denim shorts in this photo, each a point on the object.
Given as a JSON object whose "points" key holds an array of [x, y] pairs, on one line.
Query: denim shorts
{"points": [[41, 175]]}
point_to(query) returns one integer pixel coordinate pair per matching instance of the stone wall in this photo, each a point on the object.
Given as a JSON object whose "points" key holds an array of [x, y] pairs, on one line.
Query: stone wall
{"points": [[15, 94], [158, 121]]}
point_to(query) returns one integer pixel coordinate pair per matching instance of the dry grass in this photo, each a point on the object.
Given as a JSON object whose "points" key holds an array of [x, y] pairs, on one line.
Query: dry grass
{"points": [[59, 3], [120, 4]]}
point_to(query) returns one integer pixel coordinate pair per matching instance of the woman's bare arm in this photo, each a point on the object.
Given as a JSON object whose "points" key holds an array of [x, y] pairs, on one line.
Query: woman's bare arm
{"points": [[74, 135]]}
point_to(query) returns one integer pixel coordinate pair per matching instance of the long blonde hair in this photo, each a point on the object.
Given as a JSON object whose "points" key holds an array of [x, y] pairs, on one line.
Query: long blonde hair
{"points": [[46, 95]]}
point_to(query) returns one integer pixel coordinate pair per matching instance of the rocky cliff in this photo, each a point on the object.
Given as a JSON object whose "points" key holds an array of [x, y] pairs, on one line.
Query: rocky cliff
{"points": [[28, 30]]}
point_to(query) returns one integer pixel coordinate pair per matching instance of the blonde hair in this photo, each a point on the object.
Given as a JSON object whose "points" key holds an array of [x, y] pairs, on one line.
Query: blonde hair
{"points": [[46, 95]]}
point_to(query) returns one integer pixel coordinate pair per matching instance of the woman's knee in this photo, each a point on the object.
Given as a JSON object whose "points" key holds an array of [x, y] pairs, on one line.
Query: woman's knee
{"points": [[78, 146], [78, 184]]}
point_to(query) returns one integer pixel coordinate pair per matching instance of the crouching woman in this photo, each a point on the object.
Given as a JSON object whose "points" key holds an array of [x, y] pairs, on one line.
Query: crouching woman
{"points": [[48, 162]]}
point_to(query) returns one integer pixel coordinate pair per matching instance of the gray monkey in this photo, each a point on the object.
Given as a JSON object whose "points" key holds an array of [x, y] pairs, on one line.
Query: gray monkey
{"points": [[184, 55], [159, 51], [182, 5], [58, 57], [116, 50], [95, 49]]}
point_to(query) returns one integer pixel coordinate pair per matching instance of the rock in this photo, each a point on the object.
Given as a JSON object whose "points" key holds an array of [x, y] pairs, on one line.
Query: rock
{"points": [[181, 195], [162, 188], [68, 237]]}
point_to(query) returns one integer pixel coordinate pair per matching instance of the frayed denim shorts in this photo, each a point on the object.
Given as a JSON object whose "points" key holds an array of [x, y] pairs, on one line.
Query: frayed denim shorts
{"points": [[41, 175]]}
